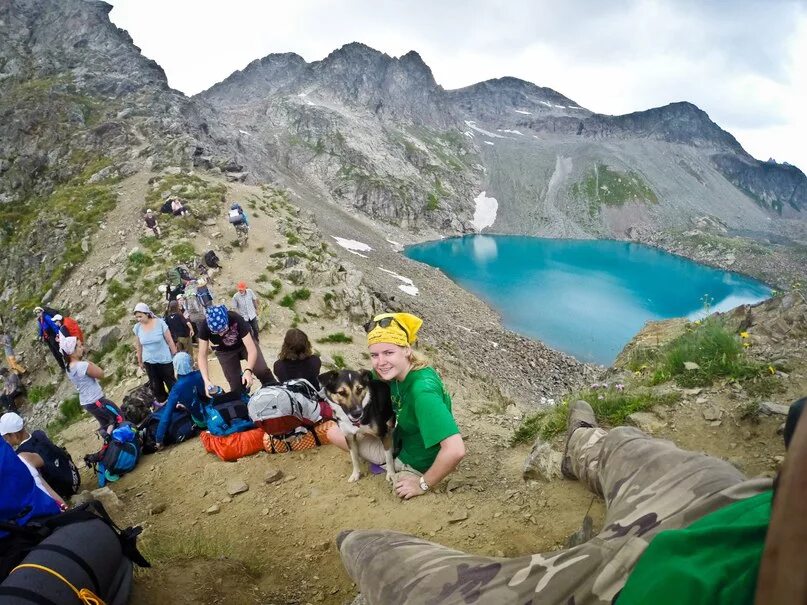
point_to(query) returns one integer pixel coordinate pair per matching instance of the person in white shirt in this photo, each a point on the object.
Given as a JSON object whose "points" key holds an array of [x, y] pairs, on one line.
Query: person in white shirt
{"points": [[246, 304]]}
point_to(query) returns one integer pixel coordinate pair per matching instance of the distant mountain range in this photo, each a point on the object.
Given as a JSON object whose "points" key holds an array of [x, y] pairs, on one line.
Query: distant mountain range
{"points": [[373, 133]]}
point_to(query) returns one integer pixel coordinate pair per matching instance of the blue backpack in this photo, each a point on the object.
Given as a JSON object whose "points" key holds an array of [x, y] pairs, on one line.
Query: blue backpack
{"points": [[119, 455], [227, 414]]}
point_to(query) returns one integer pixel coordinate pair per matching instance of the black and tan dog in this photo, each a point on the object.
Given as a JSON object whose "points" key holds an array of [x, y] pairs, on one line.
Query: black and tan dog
{"points": [[361, 405]]}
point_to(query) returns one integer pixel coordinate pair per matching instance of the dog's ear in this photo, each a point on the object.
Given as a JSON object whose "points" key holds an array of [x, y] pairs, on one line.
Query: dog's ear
{"points": [[328, 380], [366, 375]]}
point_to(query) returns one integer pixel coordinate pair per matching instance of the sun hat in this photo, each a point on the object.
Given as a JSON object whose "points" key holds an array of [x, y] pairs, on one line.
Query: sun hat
{"points": [[217, 318], [67, 344], [57, 317], [149, 211], [182, 363], [39, 310], [10, 423], [142, 308], [242, 285], [395, 328]]}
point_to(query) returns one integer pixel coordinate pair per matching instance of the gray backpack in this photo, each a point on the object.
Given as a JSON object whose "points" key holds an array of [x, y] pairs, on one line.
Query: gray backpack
{"points": [[282, 409]]}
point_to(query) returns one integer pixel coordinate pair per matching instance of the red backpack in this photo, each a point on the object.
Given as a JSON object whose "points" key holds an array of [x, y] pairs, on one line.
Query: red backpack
{"points": [[72, 328]]}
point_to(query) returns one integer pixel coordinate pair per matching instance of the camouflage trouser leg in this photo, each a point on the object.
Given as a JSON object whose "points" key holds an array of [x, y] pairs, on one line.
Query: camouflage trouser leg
{"points": [[649, 485]]}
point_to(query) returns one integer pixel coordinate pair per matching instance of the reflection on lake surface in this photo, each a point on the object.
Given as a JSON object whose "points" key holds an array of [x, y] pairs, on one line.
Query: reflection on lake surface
{"points": [[584, 297]]}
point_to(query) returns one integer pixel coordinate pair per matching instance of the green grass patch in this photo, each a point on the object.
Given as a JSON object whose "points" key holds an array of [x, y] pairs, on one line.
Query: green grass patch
{"points": [[40, 392], [140, 259], [336, 337], [708, 344], [69, 412], [291, 299], [203, 198], [611, 408], [292, 238], [339, 362], [603, 186], [183, 252]]}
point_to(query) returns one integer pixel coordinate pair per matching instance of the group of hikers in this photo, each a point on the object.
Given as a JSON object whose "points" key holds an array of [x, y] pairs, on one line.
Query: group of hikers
{"points": [[174, 207], [680, 527]]}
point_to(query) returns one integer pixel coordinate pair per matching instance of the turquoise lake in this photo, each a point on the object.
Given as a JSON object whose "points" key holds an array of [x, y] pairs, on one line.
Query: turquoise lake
{"points": [[587, 298]]}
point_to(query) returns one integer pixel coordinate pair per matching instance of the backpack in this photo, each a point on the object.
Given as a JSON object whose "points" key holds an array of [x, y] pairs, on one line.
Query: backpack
{"points": [[212, 260], [235, 217], [228, 413], [181, 428], [137, 403], [283, 409], [204, 296], [177, 276], [119, 455], [60, 472], [73, 328]]}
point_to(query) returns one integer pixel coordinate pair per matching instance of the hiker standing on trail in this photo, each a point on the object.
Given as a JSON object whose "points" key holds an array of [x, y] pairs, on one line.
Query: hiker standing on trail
{"points": [[49, 334], [11, 358], [151, 223], [297, 360], [85, 376], [11, 389], [180, 328], [431, 446], [52, 462], [155, 350], [246, 304], [68, 327], [231, 339]]}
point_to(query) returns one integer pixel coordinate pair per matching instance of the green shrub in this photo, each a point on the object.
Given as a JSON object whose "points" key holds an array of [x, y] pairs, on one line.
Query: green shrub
{"points": [[292, 238], [301, 294], [337, 337], [69, 412], [183, 251], [611, 408], [140, 259], [262, 278], [39, 393], [339, 362]]}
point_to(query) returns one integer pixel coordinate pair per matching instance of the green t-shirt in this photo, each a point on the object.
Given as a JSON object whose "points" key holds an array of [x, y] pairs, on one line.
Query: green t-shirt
{"points": [[714, 560], [423, 408]]}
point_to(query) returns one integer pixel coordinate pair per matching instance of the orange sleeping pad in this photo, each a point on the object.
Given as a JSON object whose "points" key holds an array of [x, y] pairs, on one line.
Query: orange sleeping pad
{"points": [[232, 447]]}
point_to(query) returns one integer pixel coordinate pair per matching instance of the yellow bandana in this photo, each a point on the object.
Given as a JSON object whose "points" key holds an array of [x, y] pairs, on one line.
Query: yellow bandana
{"points": [[401, 331]]}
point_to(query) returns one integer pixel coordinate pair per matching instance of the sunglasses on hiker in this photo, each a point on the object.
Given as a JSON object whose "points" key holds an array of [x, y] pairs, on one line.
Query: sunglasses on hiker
{"points": [[384, 322]]}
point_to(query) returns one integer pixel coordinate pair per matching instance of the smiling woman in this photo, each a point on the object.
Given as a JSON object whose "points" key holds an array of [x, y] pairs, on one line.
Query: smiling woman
{"points": [[427, 440]]}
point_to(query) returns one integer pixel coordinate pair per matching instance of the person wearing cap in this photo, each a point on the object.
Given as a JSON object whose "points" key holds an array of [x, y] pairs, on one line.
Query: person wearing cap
{"points": [[11, 357], [52, 462], [431, 446], [231, 338], [151, 223], [188, 391], [246, 304], [85, 376], [68, 327], [49, 334], [155, 351]]}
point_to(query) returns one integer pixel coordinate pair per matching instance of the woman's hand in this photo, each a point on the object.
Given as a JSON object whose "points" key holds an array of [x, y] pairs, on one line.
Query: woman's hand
{"points": [[247, 377], [408, 487]]}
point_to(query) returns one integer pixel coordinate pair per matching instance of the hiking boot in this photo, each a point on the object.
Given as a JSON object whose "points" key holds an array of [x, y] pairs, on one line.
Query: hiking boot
{"points": [[580, 415]]}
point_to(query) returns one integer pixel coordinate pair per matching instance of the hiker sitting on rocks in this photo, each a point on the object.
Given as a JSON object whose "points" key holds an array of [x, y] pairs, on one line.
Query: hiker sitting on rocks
{"points": [[189, 391], [21, 499], [11, 389], [85, 376], [155, 349], [52, 462], [680, 527], [177, 209], [247, 306], [11, 357], [297, 360], [231, 338], [431, 444], [151, 223], [49, 334]]}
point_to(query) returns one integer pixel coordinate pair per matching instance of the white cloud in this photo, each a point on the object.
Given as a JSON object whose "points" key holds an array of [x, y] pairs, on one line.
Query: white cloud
{"points": [[743, 62]]}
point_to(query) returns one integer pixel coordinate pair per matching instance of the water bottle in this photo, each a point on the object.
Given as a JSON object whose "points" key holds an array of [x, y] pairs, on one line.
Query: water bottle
{"points": [[214, 390]]}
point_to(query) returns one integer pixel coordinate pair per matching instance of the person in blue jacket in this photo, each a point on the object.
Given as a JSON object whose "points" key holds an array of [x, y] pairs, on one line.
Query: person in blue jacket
{"points": [[20, 498], [49, 334], [189, 391]]}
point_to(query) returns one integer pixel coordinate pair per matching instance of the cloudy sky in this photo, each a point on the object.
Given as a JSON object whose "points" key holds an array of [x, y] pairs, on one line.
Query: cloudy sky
{"points": [[744, 62]]}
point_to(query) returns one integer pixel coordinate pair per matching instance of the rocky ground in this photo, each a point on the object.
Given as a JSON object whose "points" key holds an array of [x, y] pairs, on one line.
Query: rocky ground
{"points": [[211, 540]]}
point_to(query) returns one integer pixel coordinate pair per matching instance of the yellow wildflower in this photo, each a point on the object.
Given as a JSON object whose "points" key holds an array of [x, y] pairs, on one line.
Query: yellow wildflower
{"points": [[743, 334], [772, 370]]}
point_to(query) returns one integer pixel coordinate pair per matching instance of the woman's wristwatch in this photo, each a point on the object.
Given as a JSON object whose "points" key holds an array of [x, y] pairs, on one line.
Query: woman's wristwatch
{"points": [[423, 485], [248, 370]]}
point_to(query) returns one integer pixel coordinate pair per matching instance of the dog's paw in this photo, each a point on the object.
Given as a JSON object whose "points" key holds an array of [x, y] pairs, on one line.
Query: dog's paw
{"points": [[355, 475], [390, 476]]}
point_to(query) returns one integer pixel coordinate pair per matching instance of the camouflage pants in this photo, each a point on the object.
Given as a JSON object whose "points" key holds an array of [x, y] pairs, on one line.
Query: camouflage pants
{"points": [[649, 485]]}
